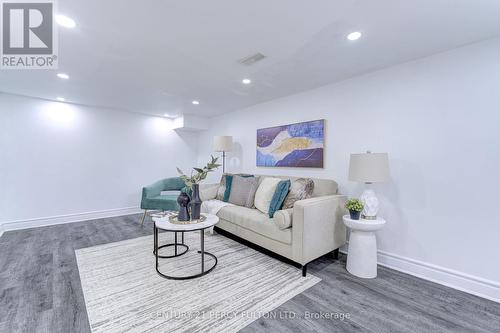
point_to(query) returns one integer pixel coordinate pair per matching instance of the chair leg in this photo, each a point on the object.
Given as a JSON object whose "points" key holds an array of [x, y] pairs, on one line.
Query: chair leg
{"points": [[144, 216], [304, 270], [336, 254]]}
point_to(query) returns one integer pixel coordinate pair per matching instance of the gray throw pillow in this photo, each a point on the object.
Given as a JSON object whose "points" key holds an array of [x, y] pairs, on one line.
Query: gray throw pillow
{"points": [[222, 185], [301, 188], [243, 190]]}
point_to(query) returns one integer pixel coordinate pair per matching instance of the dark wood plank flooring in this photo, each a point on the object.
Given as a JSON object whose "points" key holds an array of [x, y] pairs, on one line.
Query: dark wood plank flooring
{"points": [[40, 290]]}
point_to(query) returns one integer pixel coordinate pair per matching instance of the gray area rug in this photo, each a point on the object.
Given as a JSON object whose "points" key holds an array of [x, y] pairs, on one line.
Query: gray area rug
{"points": [[123, 292]]}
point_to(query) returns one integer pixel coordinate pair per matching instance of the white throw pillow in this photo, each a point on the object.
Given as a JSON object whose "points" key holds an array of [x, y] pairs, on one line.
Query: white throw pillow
{"points": [[208, 191], [265, 193], [170, 192]]}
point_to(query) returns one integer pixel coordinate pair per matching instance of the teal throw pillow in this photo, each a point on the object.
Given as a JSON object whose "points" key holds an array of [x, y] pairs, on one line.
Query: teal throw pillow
{"points": [[279, 196], [227, 192]]}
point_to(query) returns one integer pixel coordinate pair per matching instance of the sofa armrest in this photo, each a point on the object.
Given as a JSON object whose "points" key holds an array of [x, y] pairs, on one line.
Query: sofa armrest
{"points": [[208, 191], [317, 227]]}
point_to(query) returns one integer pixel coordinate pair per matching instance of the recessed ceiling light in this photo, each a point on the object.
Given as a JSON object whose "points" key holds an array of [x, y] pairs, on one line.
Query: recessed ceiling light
{"points": [[246, 81], [63, 76], [61, 99], [195, 102], [65, 21], [354, 35]]}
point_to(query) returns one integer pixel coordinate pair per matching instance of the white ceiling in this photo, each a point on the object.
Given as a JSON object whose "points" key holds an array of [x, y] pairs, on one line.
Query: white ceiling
{"points": [[156, 57]]}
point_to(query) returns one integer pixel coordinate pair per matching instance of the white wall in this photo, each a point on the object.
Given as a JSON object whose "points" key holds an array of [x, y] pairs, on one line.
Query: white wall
{"points": [[438, 118], [60, 159]]}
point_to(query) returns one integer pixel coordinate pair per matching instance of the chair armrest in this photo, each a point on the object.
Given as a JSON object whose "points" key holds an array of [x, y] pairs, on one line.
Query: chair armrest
{"points": [[208, 191], [153, 190], [167, 184], [317, 227]]}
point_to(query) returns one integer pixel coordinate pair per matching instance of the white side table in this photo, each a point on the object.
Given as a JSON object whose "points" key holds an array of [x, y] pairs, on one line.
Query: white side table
{"points": [[362, 255]]}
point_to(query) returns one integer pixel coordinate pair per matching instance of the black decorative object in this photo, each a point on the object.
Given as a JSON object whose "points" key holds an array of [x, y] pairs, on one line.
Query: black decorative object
{"points": [[192, 183], [195, 202], [183, 201], [354, 214]]}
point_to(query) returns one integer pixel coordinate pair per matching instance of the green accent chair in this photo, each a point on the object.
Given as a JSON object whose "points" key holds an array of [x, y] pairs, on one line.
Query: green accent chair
{"points": [[153, 200]]}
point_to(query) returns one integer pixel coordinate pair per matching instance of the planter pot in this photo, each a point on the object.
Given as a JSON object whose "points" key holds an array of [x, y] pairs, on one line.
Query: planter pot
{"points": [[354, 214], [195, 202], [183, 201]]}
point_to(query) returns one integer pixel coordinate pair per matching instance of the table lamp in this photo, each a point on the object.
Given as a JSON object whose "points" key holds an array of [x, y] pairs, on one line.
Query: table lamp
{"points": [[223, 144], [369, 168]]}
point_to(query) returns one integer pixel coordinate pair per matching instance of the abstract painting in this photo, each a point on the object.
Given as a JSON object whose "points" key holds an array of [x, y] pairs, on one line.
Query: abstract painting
{"points": [[294, 145]]}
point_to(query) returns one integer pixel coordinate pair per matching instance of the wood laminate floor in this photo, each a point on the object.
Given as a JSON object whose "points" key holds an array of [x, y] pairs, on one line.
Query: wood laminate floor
{"points": [[40, 290]]}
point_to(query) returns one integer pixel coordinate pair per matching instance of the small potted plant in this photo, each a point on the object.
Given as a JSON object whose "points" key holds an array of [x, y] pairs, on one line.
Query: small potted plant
{"points": [[355, 206]]}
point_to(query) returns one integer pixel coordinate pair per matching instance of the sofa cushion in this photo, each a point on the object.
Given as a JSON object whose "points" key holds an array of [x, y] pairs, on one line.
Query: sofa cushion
{"points": [[300, 189], [243, 191], [265, 193], [279, 196], [256, 221]]}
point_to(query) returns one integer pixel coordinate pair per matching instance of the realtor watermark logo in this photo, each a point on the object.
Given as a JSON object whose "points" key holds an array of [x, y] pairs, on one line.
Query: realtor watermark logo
{"points": [[29, 39]]}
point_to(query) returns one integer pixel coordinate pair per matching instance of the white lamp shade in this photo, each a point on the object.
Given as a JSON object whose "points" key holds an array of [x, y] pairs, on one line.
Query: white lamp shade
{"points": [[369, 167], [223, 143]]}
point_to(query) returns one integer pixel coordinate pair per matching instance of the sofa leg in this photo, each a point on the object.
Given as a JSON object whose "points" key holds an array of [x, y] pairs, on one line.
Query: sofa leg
{"points": [[304, 270], [336, 254], [144, 216]]}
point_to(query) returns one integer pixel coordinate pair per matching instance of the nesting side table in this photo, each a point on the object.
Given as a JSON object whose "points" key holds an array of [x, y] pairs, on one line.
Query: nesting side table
{"points": [[163, 223]]}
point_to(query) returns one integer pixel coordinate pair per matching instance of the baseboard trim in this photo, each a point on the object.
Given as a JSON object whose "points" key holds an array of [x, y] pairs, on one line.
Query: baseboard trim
{"points": [[457, 280], [68, 218]]}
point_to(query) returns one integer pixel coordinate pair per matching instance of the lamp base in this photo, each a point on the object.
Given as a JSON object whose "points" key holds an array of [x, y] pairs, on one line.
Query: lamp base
{"points": [[223, 162], [370, 203]]}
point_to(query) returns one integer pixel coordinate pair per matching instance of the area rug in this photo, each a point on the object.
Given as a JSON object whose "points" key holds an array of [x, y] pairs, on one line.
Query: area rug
{"points": [[123, 292]]}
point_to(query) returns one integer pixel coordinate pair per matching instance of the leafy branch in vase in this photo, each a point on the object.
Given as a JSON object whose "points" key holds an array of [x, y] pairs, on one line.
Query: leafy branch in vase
{"points": [[197, 174]]}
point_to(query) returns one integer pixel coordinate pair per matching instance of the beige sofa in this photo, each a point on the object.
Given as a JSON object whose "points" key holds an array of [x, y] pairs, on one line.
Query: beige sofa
{"points": [[312, 228]]}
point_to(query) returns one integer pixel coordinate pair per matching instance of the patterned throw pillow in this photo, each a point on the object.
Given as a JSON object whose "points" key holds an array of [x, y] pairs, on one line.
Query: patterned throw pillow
{"points": [[301, 188], [222, 188], [243, 190]]}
